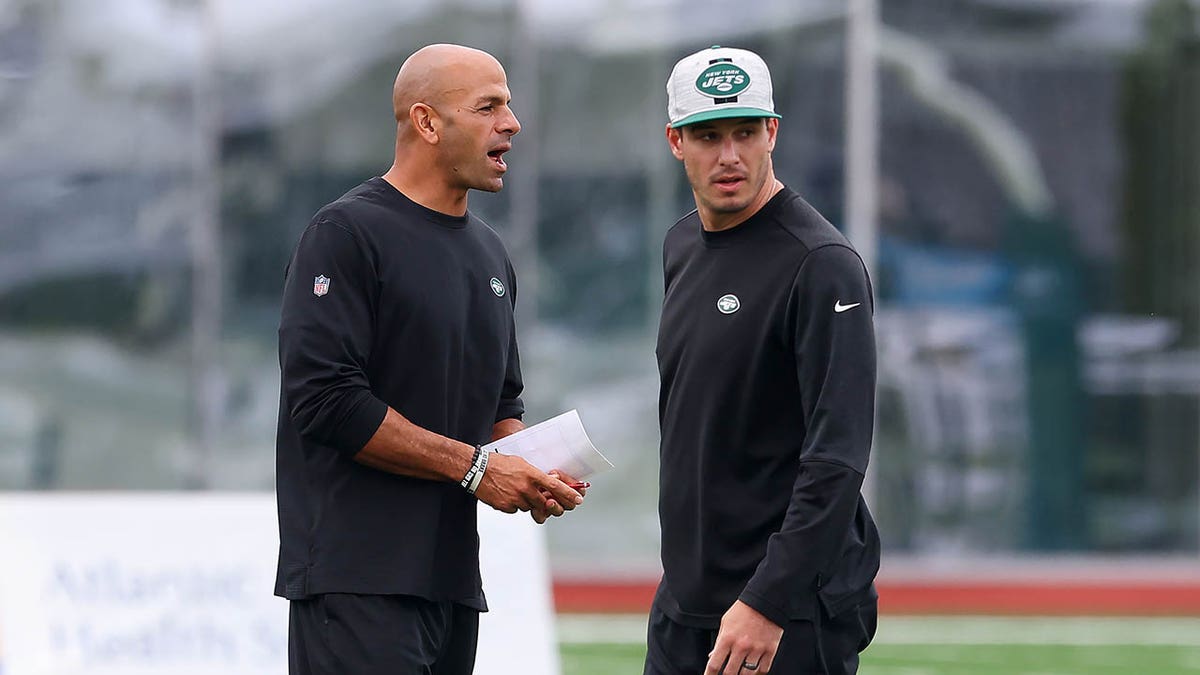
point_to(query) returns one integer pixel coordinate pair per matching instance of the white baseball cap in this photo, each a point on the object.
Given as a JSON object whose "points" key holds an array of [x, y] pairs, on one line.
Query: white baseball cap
{"points": [[717, 83]]}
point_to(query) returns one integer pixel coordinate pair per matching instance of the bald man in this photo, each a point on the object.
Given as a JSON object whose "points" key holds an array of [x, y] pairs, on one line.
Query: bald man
{"points": [[399, 358]]}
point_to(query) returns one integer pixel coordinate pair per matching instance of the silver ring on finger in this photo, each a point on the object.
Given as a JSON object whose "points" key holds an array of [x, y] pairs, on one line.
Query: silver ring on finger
{"points": [[746, 665]]}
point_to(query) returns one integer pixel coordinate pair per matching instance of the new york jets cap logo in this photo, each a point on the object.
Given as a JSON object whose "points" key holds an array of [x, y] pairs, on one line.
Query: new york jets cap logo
{"points": [[497, 287], [728, 303], [722, 80]]}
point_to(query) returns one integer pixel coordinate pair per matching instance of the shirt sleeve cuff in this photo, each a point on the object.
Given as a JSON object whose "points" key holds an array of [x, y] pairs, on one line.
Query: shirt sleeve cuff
{"points": [[362, 425], [510, 409], [778, 615]]}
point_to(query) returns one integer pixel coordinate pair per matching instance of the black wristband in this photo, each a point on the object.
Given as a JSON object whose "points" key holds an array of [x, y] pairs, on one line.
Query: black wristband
{"points": [[466, 481], [482, 468]]}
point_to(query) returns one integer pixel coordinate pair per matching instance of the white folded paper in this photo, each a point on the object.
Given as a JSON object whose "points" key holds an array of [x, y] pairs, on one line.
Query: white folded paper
{"points": [[558, 443]]}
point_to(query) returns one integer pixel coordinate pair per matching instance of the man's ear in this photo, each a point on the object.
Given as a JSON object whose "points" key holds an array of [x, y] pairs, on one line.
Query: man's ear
{"points": [[772, 132], [425, 122], [675, 140]]}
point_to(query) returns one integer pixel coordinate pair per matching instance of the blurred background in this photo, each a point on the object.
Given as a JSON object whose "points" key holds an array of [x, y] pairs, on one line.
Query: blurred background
{"points": [[1023, 175]]}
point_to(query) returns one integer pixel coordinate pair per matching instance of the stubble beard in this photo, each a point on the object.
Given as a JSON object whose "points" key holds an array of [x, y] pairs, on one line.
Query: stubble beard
{"points": [[719, 206], [480, 181], [491, 185]]}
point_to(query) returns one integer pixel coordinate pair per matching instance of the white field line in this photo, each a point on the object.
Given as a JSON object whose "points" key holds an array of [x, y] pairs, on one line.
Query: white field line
{"points": [[957, 630], [1077, 631], [601, 628]]}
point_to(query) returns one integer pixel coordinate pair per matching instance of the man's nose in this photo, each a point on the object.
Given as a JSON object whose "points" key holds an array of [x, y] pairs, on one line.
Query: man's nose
{"points": [[509, 124], [729, 153]]}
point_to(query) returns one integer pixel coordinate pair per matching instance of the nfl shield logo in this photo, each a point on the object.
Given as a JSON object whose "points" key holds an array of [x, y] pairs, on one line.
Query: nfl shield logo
{"points": [[320, 285]]}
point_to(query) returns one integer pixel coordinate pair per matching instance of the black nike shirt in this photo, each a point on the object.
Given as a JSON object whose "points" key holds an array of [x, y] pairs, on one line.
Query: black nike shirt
{"points": [[388, 303], [766, 358]]}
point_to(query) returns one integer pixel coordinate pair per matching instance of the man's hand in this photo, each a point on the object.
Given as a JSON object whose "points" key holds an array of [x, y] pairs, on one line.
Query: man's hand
{"points": [[552, 508], [511, 484], [745, 637]]}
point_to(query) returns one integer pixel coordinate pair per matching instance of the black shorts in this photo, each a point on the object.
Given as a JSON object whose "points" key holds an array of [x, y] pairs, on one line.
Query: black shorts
{"points": [[826, 646], [341, 634]]}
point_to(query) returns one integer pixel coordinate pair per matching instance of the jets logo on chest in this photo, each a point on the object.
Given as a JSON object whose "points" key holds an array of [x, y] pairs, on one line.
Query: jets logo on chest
{"points": [[728, 303]]}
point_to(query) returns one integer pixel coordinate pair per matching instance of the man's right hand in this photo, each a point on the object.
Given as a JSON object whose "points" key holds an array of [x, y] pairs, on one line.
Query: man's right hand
{"points": [[512, 484]]}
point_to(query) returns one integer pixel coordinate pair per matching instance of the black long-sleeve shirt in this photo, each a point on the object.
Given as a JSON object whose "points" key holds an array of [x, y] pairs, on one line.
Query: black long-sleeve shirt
{"points": [[766, 357], [388, 303]]}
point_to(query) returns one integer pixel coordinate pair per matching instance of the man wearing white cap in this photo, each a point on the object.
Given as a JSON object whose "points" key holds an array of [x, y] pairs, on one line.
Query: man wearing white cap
{"points": [[766, 356]]}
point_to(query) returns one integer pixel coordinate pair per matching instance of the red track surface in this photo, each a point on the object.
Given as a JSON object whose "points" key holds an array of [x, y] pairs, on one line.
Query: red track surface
{"points": [[1062, 597]]}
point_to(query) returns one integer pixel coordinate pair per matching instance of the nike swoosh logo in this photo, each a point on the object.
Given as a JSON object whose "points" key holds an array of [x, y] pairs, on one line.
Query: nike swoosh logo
{"points": [[839, 307]]}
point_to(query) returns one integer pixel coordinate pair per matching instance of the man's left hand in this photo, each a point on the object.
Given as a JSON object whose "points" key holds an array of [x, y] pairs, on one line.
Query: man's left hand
{"points": [[746, 638], [552, 508]]}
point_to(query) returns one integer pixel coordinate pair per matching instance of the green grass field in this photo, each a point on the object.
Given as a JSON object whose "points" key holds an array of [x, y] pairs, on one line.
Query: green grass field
{"points": [[593, 645]]}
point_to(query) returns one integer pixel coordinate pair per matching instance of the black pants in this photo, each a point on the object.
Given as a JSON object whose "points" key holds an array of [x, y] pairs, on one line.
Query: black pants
{"points": [[340, 634], [825, 646]]}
